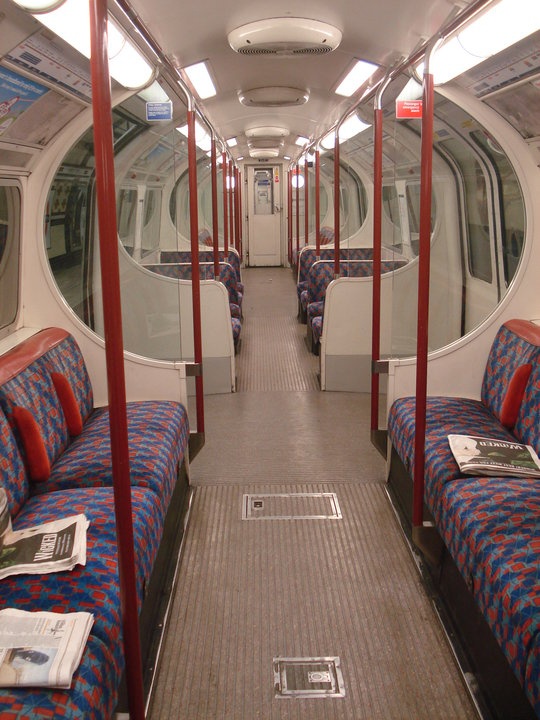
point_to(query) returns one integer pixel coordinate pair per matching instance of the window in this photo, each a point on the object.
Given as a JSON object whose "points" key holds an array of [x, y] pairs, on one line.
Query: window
{"points": [[10, 213]]}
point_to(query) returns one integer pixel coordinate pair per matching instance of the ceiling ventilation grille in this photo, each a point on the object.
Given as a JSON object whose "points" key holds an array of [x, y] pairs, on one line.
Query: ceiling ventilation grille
{"points": [[285, 37], [273, 97]]}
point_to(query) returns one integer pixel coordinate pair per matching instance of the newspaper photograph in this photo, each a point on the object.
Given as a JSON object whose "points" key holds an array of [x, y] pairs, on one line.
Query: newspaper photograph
{"points": [[41, 649]]}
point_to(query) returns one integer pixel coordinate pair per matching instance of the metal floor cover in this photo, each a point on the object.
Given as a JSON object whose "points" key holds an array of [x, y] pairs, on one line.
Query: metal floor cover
{"points": [[308, 677], [291, 506]]}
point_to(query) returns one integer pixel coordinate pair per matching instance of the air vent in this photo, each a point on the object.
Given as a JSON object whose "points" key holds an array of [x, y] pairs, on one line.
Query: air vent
{"points": [[285, 37], [273, 97]]}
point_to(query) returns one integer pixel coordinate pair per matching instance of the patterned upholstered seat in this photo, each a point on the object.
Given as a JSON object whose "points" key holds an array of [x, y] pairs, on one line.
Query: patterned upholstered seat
{"points": [[56, 462], [511, 350], [492, 528]]}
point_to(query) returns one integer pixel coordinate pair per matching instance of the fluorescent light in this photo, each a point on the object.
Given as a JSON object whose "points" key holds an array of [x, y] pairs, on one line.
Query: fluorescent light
{"points": [[232, 142], [356, 77], [200, 79], [351, 127], [202, 138], [71, 22], [411, 91], [301, 140], [502, 25], [154, 93], [36, 6], [297, 181]]}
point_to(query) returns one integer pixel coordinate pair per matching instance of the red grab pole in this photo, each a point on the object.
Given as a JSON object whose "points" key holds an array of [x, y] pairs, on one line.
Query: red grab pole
{"points": [[215, 222], [377, 242], [289, 214], [297, 196], [423, 298], [114, 352], [225, 205], [336, 205], [306, 200], [195, 278], [231, 206], [317, 204]]}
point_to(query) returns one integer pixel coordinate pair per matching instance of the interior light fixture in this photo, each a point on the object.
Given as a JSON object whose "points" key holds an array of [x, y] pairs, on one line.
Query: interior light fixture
{"points": [[351, 127], [232, 142], [297, 180], [70, 20], [202, 138], [154, 93], [300, 140], [199, 77], [411, 91], [356, 77], [499, 27]]}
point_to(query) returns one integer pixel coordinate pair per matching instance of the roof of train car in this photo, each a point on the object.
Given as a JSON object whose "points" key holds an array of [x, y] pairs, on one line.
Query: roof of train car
{"points": [[382, 32]]}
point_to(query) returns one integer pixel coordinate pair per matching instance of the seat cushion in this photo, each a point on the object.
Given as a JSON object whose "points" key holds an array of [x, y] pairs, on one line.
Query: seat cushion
{"points": [[444, 416], [158, 434], [94, 587], [491, 527], [93, 693]]}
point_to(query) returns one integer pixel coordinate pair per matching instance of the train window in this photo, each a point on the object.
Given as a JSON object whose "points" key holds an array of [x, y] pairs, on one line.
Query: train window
{"points": [[475, 189], [127, 214], [10, 211], [512, 209]]}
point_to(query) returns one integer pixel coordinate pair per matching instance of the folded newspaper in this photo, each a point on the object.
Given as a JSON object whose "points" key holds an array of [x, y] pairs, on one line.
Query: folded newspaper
{"points": [[51, 547], [41, 649], [490, 456]]}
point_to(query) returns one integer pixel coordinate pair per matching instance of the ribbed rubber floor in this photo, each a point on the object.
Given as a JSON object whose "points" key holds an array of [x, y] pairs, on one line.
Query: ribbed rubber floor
{"points": [[273, 354], [250, 591]]}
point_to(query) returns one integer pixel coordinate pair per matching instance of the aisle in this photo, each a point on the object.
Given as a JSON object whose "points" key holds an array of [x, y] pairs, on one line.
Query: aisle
{"points": [[253, 590]]}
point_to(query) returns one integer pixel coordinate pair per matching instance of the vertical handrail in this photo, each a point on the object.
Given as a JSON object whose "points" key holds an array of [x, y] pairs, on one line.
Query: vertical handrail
{"points": [[377, 250], [306, 200], [336, 204], [297, 196], [114, 353], [195, 278], [231, 204], [215, 220], [423, 293], [225, 205], [240, 216], [317, 204], [289, 215], [236, 210]]}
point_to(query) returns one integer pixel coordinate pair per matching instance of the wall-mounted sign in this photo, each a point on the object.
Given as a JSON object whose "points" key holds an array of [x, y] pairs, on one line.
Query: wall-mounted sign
{"points": [[159, 110], [408, 109]]}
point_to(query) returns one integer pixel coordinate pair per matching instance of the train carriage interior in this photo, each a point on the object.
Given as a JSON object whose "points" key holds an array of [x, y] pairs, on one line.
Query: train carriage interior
{"points": [[260, 266]]}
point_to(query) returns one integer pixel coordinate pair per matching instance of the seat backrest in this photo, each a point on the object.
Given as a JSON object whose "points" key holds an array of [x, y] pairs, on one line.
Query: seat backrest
{"points": [[511, 367], [31, 403], [13, 476], [183, 271]]}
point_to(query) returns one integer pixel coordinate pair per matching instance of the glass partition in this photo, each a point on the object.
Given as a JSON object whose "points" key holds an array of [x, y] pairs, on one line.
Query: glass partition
{"points": [[152, 216]]}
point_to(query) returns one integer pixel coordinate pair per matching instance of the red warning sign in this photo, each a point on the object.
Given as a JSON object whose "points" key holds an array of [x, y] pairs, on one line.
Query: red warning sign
{"points": [[407, 109]]}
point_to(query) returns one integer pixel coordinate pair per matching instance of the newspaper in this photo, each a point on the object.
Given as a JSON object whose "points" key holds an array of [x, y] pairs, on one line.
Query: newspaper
{"points": [[51, 547], [41, 649], [490, 456]]}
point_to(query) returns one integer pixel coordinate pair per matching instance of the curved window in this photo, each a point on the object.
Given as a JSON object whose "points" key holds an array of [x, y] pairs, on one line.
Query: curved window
{"points": [[10, 223]]}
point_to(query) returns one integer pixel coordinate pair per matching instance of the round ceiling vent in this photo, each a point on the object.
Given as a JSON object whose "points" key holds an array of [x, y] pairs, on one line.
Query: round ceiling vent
{"points": [[266, 131], [263, 153], [273, 97], [285, 37]]}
